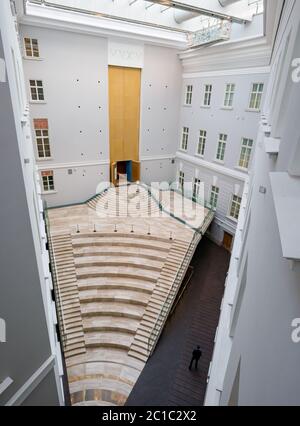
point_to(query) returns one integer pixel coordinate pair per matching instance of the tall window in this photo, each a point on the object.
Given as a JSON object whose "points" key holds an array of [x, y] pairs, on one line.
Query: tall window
{"points": [[181, 181], [42, 137], [221, 147], [36, 90], [31, 47], [48, 181], [185, 138], [189, 95], [214, 195], [207, 95], [229, 94], [196, 189], [256, 96], [202, 142], [245, 156], [235, 207]]}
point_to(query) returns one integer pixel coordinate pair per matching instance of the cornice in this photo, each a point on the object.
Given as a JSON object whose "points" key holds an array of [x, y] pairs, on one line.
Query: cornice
{"points": [[254, 52], [211, 166]]}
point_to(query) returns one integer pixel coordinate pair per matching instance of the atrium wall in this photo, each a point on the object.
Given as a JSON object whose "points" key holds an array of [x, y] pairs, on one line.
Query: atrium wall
{"points": [[30, 358]]}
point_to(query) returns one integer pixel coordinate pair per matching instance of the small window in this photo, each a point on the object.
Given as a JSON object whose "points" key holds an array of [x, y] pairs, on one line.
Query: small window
{"points": [[188, 95], [196, 189], [256, 96], [181, 181], [221, 147], [235, 207], [48, 181], [42, 138], [229, 94], [202, 142], [214, 195], [31, 47], [207, 95], [185, 138], [246, 150], [36, 90]]}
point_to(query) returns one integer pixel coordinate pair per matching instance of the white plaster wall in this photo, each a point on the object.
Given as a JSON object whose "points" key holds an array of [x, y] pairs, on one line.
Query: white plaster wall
{"points": [[237, 123], [25, 301], [79, 137], [262, 340]]}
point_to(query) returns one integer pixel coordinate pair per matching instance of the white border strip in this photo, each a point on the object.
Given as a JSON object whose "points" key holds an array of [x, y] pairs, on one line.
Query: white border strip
{"points": [[211, 166], [221, 73], [32, 382], [50, 166]]}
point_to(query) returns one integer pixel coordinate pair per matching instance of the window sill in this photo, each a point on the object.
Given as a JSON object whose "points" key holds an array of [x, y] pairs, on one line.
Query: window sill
{"points": [[199, 156], [37, 102], [187, 105], [48, 192], [219, 161], [252, 110], [183, 150], [242, 169], [30, 58], [44, 159], [205, 106], [233, 219], [225, 108]]}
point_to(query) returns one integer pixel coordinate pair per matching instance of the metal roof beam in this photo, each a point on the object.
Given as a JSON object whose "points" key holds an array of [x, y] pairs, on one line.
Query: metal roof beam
{"points": [[215, 11]]}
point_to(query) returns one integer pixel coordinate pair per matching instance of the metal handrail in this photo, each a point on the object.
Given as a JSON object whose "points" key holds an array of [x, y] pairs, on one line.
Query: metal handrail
{"points": [[170, 298], [57, 295]]}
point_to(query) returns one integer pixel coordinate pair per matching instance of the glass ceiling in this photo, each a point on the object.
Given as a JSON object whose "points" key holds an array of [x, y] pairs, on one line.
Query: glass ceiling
{"points": [[188, 16]]}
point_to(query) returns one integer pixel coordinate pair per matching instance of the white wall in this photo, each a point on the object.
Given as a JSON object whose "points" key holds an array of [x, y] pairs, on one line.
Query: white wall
{"points": [[237, 123], [262, 292], [79, 138], [31, 353]]}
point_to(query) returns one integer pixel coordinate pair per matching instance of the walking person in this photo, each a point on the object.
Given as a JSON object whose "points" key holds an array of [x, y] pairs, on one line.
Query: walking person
{"points": [[195, 357]]}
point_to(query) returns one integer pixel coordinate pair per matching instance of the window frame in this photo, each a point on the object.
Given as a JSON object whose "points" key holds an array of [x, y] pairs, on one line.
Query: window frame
{"points": [[196, 185], [207, 96], [247, 154], [223, 148], [201, 143], [42, 137], [229, 93], [47, 186], [214, 194], [231, 209], [31, 48], [181, 181], [36, 87], [252, 92], [188, 95], [184, 138]]}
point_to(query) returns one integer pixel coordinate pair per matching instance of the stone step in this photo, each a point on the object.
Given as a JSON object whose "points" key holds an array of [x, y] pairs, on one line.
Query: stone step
{"points": [[112, 309], [118, 296]]}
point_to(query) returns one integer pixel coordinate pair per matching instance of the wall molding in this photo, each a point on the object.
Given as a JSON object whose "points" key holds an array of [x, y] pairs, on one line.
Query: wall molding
{"points": [[79, 164], [244, 54], [212, 166], [32, 382], [222, 73], [157, 158]]}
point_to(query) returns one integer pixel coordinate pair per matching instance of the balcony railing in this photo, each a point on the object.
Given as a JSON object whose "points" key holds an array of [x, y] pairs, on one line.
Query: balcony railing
{"points": [[211, 34]]}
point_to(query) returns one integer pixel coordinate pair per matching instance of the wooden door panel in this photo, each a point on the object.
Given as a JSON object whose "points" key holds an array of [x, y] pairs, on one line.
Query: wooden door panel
{"points": [[124, 113]]}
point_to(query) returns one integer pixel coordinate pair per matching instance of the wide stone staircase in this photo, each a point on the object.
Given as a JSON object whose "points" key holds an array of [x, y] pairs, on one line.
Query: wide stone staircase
{"points": [[122, 281], [125, 201]]}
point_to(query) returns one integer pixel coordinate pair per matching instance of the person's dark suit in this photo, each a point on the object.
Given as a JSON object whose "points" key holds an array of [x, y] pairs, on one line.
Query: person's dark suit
{"points": [[195, 357]]}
